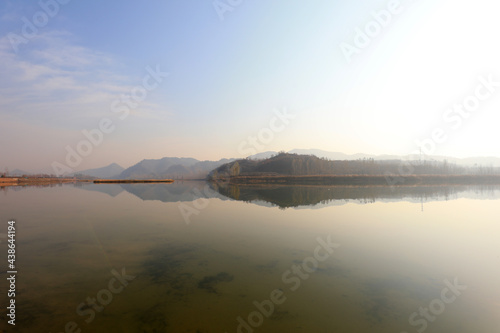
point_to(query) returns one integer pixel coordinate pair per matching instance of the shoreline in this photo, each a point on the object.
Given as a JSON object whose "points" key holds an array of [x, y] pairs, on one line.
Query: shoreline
{"points": [[19, 181], [360, 180], [132, 181]]}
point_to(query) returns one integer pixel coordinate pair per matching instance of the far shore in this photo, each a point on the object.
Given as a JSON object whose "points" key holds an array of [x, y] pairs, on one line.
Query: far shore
{"points": [[381, 180], [34, 181], [26, 181]]}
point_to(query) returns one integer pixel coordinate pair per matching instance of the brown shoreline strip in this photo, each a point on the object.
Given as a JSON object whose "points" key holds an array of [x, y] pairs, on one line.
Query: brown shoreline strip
{"points": [[130, 181], [360, 180], [20, 181]]}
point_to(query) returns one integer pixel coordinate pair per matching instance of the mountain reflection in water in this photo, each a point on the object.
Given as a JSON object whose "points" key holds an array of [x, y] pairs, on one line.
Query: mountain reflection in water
{"points": [[289, 196]]}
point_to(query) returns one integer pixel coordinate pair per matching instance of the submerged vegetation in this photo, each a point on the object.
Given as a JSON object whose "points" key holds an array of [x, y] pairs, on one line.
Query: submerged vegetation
{"points": [[209, 282]]}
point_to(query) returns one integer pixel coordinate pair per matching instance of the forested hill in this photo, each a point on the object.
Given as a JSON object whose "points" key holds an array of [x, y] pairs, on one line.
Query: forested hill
{"points": [[304, 165]]}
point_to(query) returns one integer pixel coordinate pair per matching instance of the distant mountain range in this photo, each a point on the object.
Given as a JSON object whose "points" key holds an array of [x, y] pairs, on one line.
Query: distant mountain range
{"points": [[171, 167], [167, 167], [191, 168], [109, 171]]}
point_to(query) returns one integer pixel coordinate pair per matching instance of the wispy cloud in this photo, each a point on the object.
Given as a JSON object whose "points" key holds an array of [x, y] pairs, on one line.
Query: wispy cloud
{"points": [[60, 84]]}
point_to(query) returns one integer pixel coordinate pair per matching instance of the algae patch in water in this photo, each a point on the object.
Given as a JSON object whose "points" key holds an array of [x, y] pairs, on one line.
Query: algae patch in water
{"points": [[209, 282]]}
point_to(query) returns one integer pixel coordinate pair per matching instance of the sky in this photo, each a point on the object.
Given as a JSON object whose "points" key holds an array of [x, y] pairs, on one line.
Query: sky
{"points": [[87, 83]]}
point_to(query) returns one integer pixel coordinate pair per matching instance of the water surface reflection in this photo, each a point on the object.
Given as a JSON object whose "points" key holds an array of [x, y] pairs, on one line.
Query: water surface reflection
{"points": [[393, 258]]}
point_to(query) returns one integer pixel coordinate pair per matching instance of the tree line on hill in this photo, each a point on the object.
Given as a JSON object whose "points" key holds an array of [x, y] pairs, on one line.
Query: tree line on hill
{"points": [[304, 165]]}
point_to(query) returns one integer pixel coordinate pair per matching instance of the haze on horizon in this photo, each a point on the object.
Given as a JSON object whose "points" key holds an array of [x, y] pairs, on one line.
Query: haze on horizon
{"points": [[430, 72]]}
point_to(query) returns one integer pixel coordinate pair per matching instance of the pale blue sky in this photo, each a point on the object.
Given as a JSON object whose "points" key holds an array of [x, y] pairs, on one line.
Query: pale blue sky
{"points": [[227, 77]]}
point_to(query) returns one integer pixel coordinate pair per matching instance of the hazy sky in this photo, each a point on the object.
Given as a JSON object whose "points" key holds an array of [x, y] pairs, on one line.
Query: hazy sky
{"points": [[363, 76]]}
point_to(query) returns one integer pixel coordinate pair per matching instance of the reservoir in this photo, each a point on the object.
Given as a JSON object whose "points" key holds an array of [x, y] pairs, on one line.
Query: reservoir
{"points": [[200, 258]]}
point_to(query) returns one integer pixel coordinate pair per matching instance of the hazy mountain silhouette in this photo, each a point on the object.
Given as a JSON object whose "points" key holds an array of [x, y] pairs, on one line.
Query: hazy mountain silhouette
{"points": [[191, 168], [110, 171], [171, 167]]}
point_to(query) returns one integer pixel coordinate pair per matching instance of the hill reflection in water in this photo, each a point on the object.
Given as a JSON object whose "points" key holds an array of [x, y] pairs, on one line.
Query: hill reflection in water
{"points": [[288, 196]]}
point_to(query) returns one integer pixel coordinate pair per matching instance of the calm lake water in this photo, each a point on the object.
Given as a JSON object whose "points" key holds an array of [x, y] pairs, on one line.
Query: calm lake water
{"points": [[185, 257]]}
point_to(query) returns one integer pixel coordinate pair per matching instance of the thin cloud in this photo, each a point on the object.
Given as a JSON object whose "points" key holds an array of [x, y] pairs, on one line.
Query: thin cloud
{"points": [[57, 83]]}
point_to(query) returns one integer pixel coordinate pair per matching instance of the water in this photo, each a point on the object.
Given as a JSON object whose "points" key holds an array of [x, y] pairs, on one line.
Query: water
{"points": [[200, 266]]}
